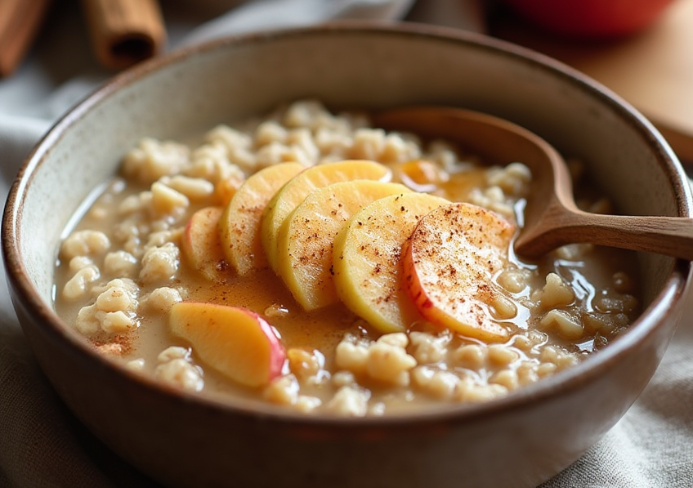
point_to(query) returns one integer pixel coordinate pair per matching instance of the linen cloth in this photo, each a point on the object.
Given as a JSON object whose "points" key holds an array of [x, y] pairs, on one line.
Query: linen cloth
{"points": [[43, 445]]}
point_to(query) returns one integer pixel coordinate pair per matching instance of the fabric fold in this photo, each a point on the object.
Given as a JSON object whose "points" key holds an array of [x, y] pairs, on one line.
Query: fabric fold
{"points": [[269, 14]]}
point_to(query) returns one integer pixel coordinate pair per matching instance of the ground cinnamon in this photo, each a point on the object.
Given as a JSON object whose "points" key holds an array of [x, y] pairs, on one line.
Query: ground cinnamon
{"points": [[124, 32]]}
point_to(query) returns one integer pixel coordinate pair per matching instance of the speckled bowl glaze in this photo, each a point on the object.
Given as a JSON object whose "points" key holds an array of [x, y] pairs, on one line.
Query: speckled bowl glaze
{"points": [[184, 441]]}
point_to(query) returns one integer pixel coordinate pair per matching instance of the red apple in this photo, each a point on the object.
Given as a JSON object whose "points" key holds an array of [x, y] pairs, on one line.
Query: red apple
{"points": [[591, 18]]}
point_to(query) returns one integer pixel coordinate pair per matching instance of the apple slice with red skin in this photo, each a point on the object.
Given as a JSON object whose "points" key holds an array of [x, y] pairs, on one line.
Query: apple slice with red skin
{"points": [[235, 341], [201, 245], [449, 264], [367, 259]]}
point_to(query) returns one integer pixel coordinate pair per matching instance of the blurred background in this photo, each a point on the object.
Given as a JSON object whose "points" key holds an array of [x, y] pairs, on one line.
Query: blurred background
{"points": [[50, 53]]}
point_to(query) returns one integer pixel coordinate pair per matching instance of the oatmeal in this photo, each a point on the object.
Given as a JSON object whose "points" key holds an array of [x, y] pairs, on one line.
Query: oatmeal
{"points": [[312, 261]]}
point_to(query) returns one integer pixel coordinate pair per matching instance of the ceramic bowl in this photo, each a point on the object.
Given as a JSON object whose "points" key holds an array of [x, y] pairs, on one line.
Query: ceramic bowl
{"points": [[184, 441]]}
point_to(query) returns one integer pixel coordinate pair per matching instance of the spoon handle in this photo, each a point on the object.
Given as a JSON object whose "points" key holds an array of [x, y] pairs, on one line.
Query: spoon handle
{"points": [[671, 236]]}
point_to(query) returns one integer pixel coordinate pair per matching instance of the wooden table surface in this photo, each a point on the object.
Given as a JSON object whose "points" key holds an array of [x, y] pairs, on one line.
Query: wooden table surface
{"points": [[652, 70]]}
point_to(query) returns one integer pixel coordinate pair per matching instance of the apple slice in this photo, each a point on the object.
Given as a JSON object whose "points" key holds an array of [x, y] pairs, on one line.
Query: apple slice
{"points": [[239, 227], [201, 245], [449, 265], [235, 341], [306, 239], [366, 259], [296, 190]]}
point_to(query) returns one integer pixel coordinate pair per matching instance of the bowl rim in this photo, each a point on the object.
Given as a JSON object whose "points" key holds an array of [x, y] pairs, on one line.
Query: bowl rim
{"points": [[650, 320]]}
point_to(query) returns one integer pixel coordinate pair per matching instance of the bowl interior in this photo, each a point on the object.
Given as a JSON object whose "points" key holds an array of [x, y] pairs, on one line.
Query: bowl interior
{"points": [[377, 68]]}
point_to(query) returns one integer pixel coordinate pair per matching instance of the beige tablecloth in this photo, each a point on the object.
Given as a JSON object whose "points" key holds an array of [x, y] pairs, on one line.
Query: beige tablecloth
{"points": [[43, 445]]}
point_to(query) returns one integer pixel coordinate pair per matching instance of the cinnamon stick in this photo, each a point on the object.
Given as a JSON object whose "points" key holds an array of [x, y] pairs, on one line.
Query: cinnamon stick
{"points": [[124, 32], [19, 23]]}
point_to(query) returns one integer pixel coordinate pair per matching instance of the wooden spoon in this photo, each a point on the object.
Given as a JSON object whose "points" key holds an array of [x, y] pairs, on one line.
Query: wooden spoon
{"points": [[551, 219]]}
